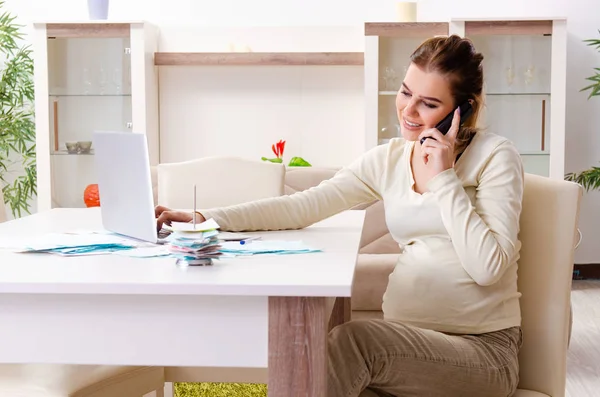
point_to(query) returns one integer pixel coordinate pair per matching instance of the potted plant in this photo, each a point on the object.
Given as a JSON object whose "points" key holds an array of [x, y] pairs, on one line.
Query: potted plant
{"points": [[590, 178], [18, 175]]}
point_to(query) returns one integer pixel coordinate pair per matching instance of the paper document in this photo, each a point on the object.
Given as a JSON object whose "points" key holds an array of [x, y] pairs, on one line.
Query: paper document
{"points": [[145, 252], [210, 224], [276, 247], [83, 243], [231, 236]]}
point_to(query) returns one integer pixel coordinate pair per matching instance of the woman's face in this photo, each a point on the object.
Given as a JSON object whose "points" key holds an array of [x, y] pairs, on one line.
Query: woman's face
{"points": [[423, 100]]}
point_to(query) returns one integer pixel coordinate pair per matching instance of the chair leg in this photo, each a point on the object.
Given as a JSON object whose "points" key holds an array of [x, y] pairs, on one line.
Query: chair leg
{"points": [[570, 325], [169, 390]]}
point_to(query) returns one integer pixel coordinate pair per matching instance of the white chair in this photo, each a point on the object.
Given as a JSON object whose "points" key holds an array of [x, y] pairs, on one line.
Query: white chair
{"points": [[43, 380], [220, 181], [548, 233]]}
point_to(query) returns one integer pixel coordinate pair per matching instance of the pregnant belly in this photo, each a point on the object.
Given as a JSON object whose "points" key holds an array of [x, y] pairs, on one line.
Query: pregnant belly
{"points": [[430, 284]]}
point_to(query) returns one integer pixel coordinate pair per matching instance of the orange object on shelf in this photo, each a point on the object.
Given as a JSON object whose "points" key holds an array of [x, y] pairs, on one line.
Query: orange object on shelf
{"points": [[91, 196]]}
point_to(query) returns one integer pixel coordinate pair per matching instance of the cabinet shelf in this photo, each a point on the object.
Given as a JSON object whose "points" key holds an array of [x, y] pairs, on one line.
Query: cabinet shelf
{"points": [[64, 152], [517, 93], [258, 58], [394, 93], [534, 153], [89, 95], [516, 27], [406, 29]]}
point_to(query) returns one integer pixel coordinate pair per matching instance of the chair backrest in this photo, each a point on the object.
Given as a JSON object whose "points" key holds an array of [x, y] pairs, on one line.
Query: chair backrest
{"points": [[2, 207], [220, 181], [548, 228]]}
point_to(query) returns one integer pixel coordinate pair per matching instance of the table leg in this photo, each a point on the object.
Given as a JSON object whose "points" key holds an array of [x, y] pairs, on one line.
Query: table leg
{"points": [[297, 347], [342, 311]]}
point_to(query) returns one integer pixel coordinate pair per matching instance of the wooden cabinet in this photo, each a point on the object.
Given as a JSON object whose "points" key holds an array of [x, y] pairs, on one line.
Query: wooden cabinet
{"points": [[525, 63], [525, 81], [89, 76]]}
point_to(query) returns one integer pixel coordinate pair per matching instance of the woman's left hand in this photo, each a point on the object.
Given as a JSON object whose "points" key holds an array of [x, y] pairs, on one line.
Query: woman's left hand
{"points": [[438, 151]]}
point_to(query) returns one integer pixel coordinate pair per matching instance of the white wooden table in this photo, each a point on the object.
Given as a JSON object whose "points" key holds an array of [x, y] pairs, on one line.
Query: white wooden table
{"points": [[248, 312]]}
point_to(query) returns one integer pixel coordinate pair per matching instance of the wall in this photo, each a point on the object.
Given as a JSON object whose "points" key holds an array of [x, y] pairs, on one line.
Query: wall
{"points": [[319, 111]]}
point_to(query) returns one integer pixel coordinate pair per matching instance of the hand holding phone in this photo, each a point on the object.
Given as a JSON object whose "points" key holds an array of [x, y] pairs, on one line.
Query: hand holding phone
{"points": [[444, 126]]}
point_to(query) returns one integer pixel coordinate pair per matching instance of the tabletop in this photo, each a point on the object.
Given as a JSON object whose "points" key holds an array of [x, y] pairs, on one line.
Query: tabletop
{"points": [[326, 273]]}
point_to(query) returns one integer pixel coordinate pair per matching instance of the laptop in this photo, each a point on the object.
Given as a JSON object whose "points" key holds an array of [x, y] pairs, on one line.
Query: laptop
{"points": [[125, 185]]}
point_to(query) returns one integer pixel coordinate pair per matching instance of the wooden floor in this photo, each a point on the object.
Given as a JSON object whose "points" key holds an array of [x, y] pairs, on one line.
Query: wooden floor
{"points": [[583, 362]]}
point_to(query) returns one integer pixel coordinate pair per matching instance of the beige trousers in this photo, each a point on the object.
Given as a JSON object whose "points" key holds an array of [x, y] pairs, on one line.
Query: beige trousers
{"points": [[377, 358]]}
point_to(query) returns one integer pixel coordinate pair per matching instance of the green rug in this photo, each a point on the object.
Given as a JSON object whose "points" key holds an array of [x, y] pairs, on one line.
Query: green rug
{"points": [[220, 390]]}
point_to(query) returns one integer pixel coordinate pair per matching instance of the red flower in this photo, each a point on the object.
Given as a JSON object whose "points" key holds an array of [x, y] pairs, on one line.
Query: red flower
{"points": [[278, 148]]}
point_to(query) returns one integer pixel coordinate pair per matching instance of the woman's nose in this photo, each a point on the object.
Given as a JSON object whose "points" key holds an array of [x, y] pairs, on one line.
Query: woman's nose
{"points": [[410, 108]]}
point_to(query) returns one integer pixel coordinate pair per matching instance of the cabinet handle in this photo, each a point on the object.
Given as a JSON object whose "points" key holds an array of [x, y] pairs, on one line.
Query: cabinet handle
{"points": [[130, 125], [543, 124], [127, 51]]}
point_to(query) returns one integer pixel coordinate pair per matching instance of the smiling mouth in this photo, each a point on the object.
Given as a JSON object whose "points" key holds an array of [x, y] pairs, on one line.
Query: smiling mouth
{"points": [[411, 124]]}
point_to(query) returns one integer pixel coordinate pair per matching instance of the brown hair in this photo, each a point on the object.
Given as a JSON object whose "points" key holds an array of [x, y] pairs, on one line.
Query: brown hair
{"points": [[455, 58]]}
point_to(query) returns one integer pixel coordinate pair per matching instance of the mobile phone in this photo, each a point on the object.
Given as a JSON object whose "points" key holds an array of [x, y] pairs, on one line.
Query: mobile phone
{"points": [[444, 126]]}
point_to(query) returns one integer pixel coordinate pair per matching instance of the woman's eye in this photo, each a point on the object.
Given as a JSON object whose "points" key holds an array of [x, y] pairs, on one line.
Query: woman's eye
{"points": [[429, 105], [404, 93]]}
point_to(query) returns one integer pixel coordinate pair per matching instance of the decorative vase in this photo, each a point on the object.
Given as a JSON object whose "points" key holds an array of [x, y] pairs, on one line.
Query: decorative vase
{"points": [[98, 9], [407, 11], [91, 196]]}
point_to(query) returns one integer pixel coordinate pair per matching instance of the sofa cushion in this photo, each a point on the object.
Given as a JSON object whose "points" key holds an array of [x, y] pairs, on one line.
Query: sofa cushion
{"points": [[371, 280], [301, 178], [376, 238], [154, 178]]}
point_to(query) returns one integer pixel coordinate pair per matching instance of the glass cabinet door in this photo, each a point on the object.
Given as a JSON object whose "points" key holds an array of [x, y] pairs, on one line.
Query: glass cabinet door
{"points": [[89, 83], [517, 71]]}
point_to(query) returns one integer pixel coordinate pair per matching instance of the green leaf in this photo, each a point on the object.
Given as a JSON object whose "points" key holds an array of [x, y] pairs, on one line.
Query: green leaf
{"points": [[595, 87], [17, 126], [589, 179], [299, 162]]}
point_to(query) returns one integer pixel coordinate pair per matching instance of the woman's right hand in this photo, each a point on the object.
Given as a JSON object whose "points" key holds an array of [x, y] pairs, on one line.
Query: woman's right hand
{"points": [[166, 215]]}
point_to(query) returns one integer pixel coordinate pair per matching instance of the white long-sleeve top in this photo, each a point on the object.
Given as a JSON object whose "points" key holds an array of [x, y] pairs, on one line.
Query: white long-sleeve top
{"points": [[458, 269]]}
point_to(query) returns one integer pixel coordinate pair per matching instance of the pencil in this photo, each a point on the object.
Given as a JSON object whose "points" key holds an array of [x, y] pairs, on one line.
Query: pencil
{"points": [[194, 213]]}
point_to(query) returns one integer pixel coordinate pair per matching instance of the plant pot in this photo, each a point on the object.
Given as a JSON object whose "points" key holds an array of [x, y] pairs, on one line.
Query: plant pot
{"points": [[98, 9]]}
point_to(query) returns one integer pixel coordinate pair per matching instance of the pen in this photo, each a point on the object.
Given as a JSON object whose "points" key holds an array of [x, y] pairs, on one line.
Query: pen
{"points": [[194, 213], [249, 240]]}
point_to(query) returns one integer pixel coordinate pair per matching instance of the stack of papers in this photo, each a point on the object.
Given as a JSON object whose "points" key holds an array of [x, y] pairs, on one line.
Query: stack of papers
{"points": [[190, 244], [72, 244], [266, 247], [194, 244]]}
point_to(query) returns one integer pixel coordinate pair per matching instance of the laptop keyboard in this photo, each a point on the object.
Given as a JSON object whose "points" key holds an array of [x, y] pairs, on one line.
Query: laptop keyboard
{"points": [[163, 233]]}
